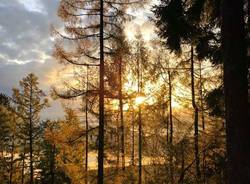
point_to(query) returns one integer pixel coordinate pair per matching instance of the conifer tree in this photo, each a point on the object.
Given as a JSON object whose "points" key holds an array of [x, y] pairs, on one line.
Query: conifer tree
{"points": [[30, 101], [88, 36], [217, 33]]}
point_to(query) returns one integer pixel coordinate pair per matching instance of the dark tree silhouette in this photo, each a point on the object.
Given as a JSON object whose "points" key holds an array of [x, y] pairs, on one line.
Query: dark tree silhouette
{"points": [[177, 31], [236, 92]]}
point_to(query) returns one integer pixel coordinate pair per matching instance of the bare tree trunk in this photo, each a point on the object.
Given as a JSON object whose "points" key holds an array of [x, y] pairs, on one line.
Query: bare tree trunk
{"points": [[118, 144], [121, 115], [12, 160], [101, 101], [203, 123], [171, 127], [31, 138], [236, 92], [139, 80], [133, 140], [167, 128], [23, 165], [87, 127], [52, 164], [140, 146], [196, 125], [201, 96]]}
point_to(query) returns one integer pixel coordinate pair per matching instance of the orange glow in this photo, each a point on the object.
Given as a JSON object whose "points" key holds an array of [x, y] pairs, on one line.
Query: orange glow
{"points": [[139, 100], [175, 104]]}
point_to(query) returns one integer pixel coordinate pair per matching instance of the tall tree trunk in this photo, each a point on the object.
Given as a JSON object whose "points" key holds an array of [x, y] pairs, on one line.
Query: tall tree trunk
{"points": [[203, 123], [101, 101], [139, 85], [31, 138], [167, 128], [201, 96], [118, 144], [236, 92], [23, 163], [196, 124], [121, 115], [22, 171], [12, 159], [248, 53], [133, 140], [171, 127], [87, 127], [52, 163], [140, 146]]}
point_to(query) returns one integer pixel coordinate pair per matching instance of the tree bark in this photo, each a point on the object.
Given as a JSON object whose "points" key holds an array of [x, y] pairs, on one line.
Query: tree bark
{"points": [[31, 138], [196, 125], [118, 144], [22, 172], [133, 140], [52, 164], [140, 146], [203, 123], [139, 85], [101, 101], [171, 127], [121, 115], [236, 92], [87, 127], [12, 159]]}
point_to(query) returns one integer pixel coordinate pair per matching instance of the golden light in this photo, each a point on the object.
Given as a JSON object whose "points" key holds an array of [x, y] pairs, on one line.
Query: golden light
{"points": [[139, 100], [125, 107], [115, 105], [175, 103]]}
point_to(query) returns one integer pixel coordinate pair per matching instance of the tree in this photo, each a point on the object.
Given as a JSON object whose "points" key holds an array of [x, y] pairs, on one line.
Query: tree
{"points": [[116, 77], [29, 103], [105, 19], [141, 58], [5, 118], [225, 41], [4, 100], [236, 92], [47, 159], [9, 123], [12, 141], [179, 32], [67, 148], [164, 69]]}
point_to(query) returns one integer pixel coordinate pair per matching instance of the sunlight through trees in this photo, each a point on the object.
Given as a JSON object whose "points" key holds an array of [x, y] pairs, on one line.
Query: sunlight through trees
{"points": [[153, 92]]}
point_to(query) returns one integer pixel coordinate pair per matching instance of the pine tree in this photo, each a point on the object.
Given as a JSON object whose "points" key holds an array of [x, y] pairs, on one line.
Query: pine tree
{"points": [[5, 133], [29, 100], [67, 148], [104, 19], [220, 37]]}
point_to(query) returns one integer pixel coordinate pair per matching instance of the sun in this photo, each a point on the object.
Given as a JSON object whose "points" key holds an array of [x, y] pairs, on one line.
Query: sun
{"points": [[175, 104], [139, 100]]}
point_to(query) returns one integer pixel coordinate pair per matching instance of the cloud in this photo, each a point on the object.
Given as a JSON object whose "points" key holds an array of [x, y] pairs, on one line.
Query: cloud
{"points": [[26, 46], [34, 5], [12, 73], [24, 30]]}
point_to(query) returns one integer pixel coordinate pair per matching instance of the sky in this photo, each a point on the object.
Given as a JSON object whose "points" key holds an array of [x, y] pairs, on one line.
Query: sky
{"points": [[26, 44]]}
